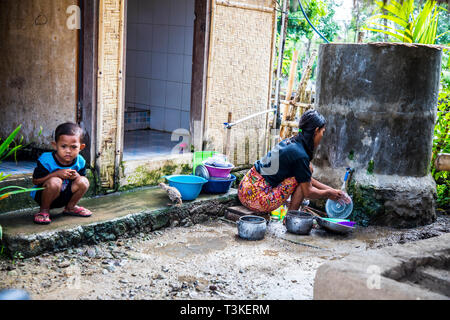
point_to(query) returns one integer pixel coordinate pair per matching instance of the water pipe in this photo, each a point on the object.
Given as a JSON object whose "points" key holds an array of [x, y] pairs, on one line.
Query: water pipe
{"points": [[307, 19], [231, 124]]}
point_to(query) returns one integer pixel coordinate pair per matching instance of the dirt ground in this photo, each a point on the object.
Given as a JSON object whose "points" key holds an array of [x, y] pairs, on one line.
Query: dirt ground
{"points": [[204, 261]]}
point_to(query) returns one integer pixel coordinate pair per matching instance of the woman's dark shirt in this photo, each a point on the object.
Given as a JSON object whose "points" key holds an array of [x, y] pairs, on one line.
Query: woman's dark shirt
{"points": [[293, 161]]}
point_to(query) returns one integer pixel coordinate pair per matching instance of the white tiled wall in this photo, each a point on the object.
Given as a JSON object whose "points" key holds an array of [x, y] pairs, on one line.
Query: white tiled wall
{"points": [[159, 60]]}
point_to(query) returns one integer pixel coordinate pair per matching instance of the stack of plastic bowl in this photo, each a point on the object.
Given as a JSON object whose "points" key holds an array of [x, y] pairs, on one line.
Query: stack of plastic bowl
{"points": [[217, 171]]}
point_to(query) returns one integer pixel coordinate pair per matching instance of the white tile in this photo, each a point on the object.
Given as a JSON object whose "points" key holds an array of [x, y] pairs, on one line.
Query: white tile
{"points": [[158, 93], [176, 39], [144, 37], [130, 89], [142, 91], [148, 65], [161, 10], [190, 12], [159, 66], [143, 67], [132, 11], [188, 40], [157, 118], [174, 94], [131, 63], [145, 11], [131, 35], [185, 120], [172, 120], [187, 72], [177, 16], [160, 38], [186, 99], [175, 67]]}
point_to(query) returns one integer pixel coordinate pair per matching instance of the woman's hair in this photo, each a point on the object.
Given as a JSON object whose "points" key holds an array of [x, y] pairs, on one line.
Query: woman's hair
{"points": [[309, 122]]}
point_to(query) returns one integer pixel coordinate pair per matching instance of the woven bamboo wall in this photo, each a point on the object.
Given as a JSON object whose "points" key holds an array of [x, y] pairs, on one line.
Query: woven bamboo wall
{"points": [[110, 87], [239, 75]]}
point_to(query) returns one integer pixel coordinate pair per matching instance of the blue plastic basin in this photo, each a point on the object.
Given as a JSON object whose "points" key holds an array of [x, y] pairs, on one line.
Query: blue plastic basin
{"points": [[220, 185], [188, 185]]}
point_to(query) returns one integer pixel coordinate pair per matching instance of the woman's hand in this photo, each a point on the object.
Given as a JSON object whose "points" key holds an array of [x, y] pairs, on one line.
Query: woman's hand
{"points": [[335, 194]]}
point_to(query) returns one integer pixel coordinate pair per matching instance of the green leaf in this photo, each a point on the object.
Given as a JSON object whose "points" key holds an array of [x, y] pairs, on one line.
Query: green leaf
{"points": [[396, 20], [399, 37], [4, 146]]}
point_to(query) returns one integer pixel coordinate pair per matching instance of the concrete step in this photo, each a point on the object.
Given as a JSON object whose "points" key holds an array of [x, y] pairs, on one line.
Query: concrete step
{"points": [[115, 215], [234, 213], [437, 280]]}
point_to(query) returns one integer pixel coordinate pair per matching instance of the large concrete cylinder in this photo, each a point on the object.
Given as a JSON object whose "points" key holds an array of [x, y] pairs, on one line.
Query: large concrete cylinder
{"points": [[380, 103]]}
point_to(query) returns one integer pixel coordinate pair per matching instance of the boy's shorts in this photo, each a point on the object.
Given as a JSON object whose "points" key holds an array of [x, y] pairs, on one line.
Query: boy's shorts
{"points": [[62, 200]]}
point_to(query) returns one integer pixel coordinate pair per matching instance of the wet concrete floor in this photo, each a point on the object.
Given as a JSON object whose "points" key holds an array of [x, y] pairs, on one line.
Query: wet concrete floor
{"points": [[204, 261]]}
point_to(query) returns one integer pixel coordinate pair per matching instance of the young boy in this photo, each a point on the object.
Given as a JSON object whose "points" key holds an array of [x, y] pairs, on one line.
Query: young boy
{"points": [[62, 174]]}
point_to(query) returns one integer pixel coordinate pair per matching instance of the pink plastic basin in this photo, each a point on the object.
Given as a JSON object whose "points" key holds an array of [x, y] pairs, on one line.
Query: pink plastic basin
{"points": [[218, 172]]}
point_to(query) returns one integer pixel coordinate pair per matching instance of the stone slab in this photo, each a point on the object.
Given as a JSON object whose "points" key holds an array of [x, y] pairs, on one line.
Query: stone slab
{"points": [[382, 274], [113, 216]]}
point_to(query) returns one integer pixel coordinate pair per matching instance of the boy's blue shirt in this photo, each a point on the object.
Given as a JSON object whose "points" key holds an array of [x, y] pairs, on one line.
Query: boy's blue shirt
{"points": [[47, 160]]}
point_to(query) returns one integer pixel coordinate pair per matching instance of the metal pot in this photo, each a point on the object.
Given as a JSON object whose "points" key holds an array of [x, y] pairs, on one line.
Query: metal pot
{"points": [[299, 222], [251, 227]]}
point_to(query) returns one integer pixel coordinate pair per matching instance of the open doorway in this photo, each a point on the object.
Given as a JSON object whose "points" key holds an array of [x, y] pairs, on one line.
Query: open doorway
{"points": [[159, 63]]}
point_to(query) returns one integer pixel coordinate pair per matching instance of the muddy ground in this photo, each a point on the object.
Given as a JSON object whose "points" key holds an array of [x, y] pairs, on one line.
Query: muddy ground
{"points": [[204, 261]]}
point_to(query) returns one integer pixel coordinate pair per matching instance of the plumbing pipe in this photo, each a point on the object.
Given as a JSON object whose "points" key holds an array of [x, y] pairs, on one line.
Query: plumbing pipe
{"points": [[229, 125], [307, 19]]}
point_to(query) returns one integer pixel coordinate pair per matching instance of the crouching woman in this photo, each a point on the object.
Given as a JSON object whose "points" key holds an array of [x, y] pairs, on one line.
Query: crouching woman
{"points": [[286, 171]]}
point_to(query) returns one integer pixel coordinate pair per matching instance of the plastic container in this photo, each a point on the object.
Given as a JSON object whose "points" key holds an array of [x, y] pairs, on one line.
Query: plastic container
{"points": [[188, 185], [218, 172], [219, 185], [279, 213], [200, 156]]}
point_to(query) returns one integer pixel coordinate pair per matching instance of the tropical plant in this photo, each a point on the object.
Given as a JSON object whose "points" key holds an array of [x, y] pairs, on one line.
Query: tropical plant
{"points": [[408, 24], [321, 14], [6, 151]]}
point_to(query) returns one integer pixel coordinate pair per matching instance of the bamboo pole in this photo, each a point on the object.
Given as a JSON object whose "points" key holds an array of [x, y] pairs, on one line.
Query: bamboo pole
{"points": [[292, 74], [280, 61], [300, 95]]}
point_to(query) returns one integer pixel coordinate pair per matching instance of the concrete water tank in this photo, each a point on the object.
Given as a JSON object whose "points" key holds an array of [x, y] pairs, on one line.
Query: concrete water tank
{"points": [[380, 103]]}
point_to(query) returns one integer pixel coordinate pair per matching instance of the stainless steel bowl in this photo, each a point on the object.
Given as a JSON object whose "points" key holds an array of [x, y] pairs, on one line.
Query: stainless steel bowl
{"points": [[299, 222], [334, 227]]}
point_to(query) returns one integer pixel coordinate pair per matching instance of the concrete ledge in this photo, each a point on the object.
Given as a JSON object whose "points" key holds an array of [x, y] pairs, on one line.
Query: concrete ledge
{"points": [[384, 274], [114, 215]]}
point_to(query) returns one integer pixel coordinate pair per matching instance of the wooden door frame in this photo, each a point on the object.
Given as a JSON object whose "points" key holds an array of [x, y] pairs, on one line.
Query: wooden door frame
{"points": [[89, 46], [199, 71]]}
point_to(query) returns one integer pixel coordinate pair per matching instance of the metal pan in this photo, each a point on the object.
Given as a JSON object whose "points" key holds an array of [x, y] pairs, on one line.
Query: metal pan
{"points": [[334, 227]]}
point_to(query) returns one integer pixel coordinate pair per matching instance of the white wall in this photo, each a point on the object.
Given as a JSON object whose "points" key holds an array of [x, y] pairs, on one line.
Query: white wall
{"points": [[159, 60]]}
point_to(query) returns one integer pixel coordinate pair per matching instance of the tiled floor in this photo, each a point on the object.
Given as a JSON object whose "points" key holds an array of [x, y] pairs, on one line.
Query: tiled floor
{"points": [[21, 167], [145, 144]]}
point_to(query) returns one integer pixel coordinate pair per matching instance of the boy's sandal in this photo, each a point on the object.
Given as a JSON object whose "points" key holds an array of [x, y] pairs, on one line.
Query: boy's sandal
{"points": [[42, 218], [79, 212]]}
